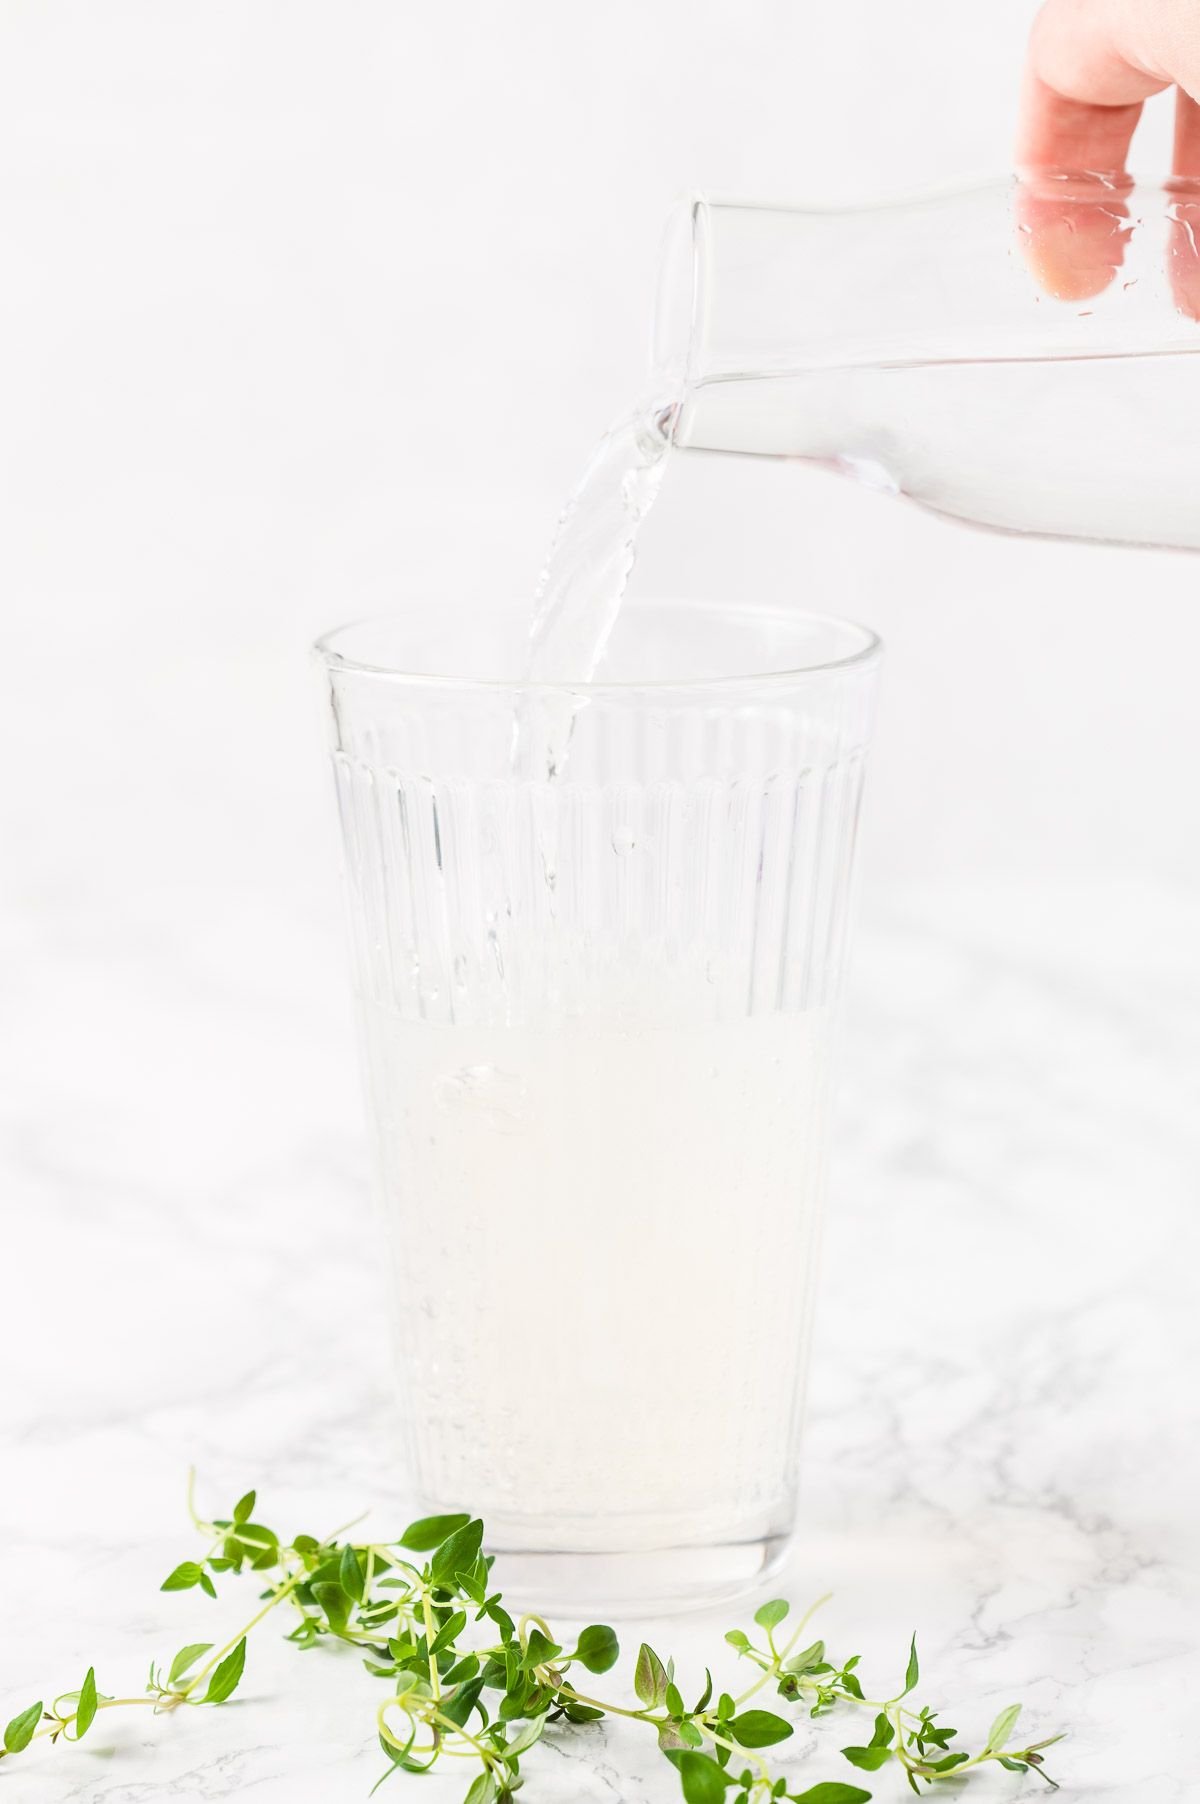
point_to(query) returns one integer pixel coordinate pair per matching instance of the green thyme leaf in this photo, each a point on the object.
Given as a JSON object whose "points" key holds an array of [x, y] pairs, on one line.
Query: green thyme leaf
{"points": [[1001, 1729], [185, 1575], [597, 1648], [808, 1657], [581, 1713], [525, 1739], [457, 1554], [350, 1574], [227, 1676], [772, 1614], [650, 1678], [19, 1732], [831, 1794], [702, 1779], [759, 1729], [257, 1540], [539, 1651], [187, 1656], [913, 1673], [333, 1600], [89, 1703], [460, 1706], [449, 1632], [429, 1532], [868, 1759]]}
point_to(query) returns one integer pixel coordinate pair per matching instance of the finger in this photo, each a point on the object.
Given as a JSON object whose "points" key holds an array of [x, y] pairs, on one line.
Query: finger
{"points": [[1091, 64], [1072, 231], [1183, 241], [1056, 131], [1081, 103], [1186, 160]]}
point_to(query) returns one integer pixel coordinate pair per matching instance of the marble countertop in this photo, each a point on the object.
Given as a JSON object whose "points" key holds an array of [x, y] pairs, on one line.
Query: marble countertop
{"points": [[1002, 1448]]}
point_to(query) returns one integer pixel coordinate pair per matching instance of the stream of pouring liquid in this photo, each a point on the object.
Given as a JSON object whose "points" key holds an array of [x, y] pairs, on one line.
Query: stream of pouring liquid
{"points": [[594, 546], [583, 582]]}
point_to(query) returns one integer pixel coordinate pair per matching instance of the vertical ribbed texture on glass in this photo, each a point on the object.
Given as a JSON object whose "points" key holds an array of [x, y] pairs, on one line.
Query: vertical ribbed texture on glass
{"points": [[484, 899], [596, 1019]]}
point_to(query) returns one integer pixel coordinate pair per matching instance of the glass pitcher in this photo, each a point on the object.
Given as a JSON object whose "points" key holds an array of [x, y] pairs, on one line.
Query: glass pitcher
{"points": [[1024, 354]]}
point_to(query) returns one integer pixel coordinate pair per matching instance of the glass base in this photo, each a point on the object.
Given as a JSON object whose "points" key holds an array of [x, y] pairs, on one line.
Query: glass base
{"points": [[650, 1582]]}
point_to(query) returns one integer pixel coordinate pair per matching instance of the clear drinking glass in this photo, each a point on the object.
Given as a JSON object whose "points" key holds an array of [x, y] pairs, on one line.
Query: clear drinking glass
{"points": [[597, 1011], [1024, 354]]}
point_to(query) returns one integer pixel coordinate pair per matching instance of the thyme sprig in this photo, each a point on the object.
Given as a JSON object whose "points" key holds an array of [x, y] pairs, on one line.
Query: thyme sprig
{"points": [[464, 1681]]}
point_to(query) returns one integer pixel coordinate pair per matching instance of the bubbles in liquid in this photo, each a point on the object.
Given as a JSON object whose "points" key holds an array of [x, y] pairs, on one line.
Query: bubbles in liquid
{"points": [[492, 1097]]}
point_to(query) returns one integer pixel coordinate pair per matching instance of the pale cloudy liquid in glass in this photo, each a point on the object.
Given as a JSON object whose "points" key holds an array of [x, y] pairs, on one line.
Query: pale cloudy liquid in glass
{"points": [[604, 1239]]}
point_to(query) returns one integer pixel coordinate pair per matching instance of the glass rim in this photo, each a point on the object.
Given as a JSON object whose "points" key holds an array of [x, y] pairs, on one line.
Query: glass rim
{"points": [[866, 652]]}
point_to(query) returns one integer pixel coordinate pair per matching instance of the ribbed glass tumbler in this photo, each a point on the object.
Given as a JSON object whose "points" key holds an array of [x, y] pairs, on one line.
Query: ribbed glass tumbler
{"points": [[599, 934]]}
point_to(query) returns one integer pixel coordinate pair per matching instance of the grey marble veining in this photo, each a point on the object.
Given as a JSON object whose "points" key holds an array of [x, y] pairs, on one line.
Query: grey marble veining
{"points": [[1002, 1444]]}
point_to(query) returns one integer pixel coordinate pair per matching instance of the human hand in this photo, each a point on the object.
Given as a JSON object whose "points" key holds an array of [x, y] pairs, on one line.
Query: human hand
{"points": [[1091, 66]]}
